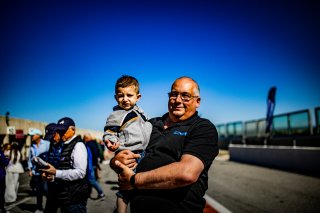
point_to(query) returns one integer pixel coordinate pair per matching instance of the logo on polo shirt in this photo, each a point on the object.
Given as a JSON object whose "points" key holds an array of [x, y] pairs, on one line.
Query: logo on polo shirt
{"points": [[180, 133]]}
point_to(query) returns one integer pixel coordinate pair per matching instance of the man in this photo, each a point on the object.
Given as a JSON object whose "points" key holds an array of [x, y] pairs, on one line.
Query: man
{"points": [[173, 175], [39, 148], [53, 158], [93, 146], [72, 184]]}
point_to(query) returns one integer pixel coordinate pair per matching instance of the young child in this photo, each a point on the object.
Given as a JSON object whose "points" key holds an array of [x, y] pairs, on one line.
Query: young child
{"points": [[127, 127]]}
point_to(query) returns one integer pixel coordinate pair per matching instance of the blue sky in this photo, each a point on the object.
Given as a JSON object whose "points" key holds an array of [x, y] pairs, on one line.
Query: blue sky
{"points": [[62, 58]]}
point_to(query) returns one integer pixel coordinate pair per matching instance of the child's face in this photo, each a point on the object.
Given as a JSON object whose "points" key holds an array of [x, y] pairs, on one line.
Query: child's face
{"points": [[127, 97]]}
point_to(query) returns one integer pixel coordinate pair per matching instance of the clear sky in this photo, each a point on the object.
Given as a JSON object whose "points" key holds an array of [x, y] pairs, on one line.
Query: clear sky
{"points": [[62, 58]]}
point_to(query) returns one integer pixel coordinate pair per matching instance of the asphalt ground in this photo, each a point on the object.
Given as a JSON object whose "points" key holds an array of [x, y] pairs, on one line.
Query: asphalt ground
{"points": [[26, 201], [247, 188], [233, 187]]}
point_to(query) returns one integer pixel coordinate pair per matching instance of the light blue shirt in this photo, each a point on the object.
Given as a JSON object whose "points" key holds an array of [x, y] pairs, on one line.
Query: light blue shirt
{"points": [[36, 151]]}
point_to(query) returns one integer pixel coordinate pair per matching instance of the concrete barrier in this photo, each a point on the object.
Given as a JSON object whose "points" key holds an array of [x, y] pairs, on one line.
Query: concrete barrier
{"points": [[303, 160]]}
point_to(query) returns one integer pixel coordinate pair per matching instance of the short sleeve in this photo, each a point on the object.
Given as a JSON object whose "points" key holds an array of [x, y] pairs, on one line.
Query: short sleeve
{"points": [[202, 142]]}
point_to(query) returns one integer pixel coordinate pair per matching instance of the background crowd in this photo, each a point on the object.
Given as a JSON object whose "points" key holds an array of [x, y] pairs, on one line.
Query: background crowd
{"points": [[12, 165]]}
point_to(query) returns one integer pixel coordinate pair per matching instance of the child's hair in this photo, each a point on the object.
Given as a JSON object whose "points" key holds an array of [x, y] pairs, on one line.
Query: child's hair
{"points": [[125, 81]]}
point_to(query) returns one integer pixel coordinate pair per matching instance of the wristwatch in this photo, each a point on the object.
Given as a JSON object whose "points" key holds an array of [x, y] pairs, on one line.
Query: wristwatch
{"points": [[133, 181]]}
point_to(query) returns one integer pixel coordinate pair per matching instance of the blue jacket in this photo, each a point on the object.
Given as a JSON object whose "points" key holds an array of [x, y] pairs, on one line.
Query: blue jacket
{"points": [[4, 161]]}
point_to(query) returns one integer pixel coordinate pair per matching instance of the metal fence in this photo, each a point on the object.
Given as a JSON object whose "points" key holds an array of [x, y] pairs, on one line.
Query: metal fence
{"points": [[288, 129]]}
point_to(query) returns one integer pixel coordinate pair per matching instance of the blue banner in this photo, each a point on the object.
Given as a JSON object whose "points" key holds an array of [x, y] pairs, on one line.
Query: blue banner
{"points": [[271, 102]]}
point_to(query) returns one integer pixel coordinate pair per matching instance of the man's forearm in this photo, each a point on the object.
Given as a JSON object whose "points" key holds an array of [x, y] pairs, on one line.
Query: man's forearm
{"points": [[70, 174], [174, 175], [166, 177]]}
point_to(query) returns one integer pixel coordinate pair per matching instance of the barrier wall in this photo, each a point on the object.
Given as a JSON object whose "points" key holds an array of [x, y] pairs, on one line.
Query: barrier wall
{"points": [[303, 160]]}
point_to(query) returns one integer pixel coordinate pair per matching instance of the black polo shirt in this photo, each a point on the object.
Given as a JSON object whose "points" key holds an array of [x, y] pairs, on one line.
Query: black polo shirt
{"points": [[195, 136]]}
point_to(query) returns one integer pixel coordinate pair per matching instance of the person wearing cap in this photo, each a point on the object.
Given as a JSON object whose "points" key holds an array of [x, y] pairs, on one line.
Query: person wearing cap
{"points": [[39, 147], [53, 158], [70, 174]]}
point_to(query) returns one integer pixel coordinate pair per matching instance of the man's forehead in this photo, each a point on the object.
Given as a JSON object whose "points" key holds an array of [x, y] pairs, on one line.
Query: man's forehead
{"points": [[182, 87]]}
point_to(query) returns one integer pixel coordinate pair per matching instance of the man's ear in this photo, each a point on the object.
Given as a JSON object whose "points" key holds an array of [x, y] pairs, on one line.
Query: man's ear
{"points": [[198, 101]]}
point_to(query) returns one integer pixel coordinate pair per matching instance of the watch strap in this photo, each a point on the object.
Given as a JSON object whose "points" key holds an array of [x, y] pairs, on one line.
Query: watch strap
{"points": [[133, 181]]}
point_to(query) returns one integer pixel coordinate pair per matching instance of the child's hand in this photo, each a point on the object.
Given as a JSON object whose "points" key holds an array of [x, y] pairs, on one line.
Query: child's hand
{"points": [[111, 145]]}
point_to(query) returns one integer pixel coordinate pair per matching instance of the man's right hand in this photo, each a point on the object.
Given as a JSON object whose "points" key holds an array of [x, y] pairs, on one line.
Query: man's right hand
{"points": [[127, 158], [47, 177], [50, 169]]}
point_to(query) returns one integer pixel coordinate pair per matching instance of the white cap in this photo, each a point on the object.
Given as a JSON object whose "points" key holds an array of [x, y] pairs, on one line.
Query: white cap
{"points": [[35, 132]]}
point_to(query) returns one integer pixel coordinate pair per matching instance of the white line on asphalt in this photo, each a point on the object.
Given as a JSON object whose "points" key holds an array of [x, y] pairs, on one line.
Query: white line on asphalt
{"points": [[217, 206], [17, 203]]}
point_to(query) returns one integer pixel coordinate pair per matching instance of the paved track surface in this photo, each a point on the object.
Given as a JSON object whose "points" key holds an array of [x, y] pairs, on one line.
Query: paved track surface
{"points": [[236, 187], [26, 201], [247, 188]]}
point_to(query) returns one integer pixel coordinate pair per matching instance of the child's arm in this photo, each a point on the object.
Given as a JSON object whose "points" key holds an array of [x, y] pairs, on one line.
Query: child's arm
{"points": [[110, 138], [111, 146]]}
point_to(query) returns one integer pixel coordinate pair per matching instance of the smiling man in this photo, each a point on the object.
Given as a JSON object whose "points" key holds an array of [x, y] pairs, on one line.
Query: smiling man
{"points": [[173, 175]]}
